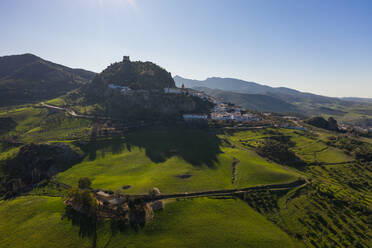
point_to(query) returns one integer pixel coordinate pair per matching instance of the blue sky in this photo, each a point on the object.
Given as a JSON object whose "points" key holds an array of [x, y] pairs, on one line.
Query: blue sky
{"points": [[319, 46]]}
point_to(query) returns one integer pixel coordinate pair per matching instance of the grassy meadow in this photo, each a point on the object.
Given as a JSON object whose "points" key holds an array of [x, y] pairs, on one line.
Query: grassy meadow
{"points": [[34, 124], [35, 221], [329, 212], [205, 222], [173, 161]]}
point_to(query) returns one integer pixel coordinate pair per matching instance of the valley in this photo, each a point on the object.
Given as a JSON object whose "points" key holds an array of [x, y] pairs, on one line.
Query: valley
{"points": [[103, 166]]}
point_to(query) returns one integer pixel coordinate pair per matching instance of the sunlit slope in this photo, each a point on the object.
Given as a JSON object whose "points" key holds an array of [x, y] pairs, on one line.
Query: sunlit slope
{"points": [[35, 124], [173, 161], [35, 222], [205, 222]]}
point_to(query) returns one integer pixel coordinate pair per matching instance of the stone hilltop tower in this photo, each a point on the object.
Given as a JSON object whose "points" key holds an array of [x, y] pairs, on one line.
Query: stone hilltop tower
{"points": [[126, 58]]}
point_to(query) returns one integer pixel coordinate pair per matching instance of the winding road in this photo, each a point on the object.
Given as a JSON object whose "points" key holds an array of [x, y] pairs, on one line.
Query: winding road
{"points": [[73, 113]]}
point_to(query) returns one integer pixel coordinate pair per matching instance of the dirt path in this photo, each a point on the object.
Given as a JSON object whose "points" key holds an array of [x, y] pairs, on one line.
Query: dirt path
{"points": [[233, 168]]}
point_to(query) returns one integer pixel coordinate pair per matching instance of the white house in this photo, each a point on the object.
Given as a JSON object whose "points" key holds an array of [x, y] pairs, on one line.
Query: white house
{"points": [[195, 117], [119, 87]]}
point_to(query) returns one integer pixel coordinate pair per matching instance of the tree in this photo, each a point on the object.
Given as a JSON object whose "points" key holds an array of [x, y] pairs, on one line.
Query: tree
{"points": [[84, 183]]}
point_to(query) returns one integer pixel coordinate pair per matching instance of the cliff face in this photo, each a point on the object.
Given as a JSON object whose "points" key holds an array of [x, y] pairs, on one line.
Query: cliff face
{"points": [[153, 106], [35, 162]]}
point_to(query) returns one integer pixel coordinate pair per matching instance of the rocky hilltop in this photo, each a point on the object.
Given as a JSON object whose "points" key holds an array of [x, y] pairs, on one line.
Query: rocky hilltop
{"points": [[136, 75], [134, 91]]}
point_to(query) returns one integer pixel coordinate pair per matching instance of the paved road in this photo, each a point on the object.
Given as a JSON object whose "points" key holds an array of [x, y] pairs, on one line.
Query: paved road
{"points": [[73, 113]]}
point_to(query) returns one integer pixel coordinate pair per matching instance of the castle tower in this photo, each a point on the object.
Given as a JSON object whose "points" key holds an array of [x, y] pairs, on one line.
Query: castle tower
{"points": [[126, 58]]}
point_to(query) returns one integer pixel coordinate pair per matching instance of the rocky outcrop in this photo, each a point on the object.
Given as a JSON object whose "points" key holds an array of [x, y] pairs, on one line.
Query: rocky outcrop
{"points": [[320, 122]]}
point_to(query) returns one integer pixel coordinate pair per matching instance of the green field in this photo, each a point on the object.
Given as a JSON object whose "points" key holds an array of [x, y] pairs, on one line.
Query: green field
{"points": [[309, 149], [155, 158], [334, 211], [204, 222], [59, 101], [329, 212], [35, 222], [315, 150], [34, 124]]}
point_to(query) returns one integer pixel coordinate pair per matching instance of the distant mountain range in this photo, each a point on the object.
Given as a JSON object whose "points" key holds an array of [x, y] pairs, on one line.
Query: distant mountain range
{"points": [[282, 100], [357, 99], [27, 78], [245, 87]]}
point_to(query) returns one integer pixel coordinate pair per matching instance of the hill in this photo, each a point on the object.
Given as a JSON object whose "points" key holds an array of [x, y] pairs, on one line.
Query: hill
{"points": [[27, 78], [132, 91], [245, 87], [134, 75]]}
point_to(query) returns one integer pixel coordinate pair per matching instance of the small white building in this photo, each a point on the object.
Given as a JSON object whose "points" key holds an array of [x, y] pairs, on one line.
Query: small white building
{"points": [[119, 87], [172, 91], [195, 117]]}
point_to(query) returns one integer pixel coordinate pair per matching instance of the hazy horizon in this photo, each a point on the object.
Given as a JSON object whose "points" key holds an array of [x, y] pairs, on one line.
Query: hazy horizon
{"points": [[322, 47]]}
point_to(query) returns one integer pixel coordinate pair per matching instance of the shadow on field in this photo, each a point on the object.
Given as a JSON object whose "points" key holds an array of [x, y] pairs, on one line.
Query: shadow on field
{"points": [[90, 148], [196, 147]]}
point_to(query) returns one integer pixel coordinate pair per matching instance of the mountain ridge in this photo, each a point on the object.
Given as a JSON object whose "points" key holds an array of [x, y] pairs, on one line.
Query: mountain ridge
{"points": [[242, 86], [27, 78]]}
